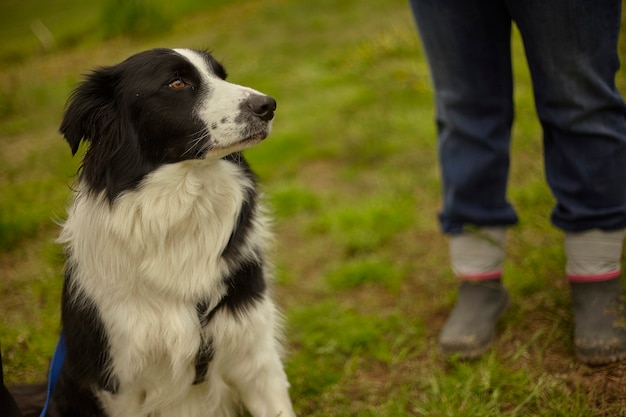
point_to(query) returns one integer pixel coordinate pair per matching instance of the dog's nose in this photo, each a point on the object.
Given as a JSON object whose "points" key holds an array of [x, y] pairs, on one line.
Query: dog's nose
{"points": [[261, 106]]}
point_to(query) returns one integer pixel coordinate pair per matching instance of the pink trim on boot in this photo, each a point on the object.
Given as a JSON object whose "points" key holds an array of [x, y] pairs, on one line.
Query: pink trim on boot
{"points": [[485, 276], [594, 278]]}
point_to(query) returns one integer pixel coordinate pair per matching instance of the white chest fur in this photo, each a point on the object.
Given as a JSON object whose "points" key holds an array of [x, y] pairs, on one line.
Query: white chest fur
{"points": [[164, 237], [148, 259]]}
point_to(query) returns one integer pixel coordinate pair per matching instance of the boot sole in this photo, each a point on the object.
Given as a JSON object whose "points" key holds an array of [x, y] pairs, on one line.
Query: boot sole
{"points": [[599, 359]]}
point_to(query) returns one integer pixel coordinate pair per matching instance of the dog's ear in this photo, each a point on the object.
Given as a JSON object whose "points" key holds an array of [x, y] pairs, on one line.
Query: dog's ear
{"points": [[89, 108]]}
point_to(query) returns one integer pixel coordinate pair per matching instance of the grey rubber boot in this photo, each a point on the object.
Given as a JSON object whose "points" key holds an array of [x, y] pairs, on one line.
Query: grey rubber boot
{"points": [[600, 318], [471, 327]]}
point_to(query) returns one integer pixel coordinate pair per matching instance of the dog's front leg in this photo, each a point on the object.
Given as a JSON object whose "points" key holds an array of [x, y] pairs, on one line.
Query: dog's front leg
{"points": [[249, 356], [265, 393]]}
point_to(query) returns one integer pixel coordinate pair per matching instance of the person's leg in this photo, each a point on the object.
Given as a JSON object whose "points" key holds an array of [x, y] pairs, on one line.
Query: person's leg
{"points": [[571, 46], [467, 44]]}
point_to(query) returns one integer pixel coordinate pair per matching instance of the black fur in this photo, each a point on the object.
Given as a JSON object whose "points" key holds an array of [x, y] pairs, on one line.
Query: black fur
{"points": [[246, 214], [87, 357], [245, 287]]}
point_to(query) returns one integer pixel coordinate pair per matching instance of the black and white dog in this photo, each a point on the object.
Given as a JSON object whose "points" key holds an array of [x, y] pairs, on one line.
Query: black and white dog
{"points": [[165, 309]]}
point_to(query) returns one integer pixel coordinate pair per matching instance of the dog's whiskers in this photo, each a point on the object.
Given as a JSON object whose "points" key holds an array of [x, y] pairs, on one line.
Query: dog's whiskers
{"points": [[197, 138]]}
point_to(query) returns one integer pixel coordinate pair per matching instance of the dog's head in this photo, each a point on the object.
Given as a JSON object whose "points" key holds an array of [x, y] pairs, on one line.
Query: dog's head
{"points": [[157, 107]]}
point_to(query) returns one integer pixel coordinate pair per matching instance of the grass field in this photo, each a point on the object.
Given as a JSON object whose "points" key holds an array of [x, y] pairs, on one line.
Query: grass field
{"points": [[350, 171]]}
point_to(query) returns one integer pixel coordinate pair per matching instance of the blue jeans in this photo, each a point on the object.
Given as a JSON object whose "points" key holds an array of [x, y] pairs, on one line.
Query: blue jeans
{"points": [[571, 49]]}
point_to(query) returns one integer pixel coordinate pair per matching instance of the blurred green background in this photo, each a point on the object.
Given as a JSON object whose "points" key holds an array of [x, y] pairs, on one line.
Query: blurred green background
{"points": [[351, 174]]}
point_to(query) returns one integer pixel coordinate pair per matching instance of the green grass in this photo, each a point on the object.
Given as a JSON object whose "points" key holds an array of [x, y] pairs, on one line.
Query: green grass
{"points": [[351, 173]]}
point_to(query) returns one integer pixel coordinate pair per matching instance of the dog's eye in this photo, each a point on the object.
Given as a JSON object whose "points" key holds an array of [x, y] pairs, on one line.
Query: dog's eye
{"points": [[177, 84]]}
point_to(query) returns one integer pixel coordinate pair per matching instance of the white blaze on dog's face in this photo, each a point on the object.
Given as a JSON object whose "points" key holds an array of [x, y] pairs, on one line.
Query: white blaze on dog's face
{"points": [[236, 117]]}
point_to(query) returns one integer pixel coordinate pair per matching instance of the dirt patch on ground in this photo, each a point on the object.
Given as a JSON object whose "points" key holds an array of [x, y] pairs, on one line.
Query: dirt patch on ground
{"points": [[606, 386]]}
